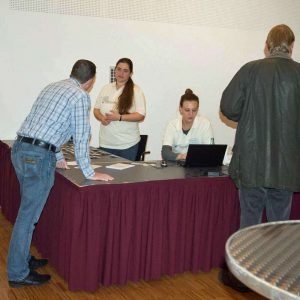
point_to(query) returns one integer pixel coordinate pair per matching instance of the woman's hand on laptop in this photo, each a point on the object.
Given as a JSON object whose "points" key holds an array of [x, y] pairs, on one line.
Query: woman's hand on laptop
{"points": [[181, 156]]}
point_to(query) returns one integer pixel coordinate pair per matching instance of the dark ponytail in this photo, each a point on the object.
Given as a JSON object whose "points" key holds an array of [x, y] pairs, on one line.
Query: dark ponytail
{"points": [[126, 98]]}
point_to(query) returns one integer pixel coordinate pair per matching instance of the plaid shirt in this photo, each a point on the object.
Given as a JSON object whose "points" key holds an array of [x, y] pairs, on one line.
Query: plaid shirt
{"points": [[62, 110]]}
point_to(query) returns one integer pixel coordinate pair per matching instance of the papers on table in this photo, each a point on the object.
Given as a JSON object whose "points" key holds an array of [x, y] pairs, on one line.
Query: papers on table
{"points": [[228, 156], [95, 166], [119, 166], [144, 164], [115, 166], [74, 163]]}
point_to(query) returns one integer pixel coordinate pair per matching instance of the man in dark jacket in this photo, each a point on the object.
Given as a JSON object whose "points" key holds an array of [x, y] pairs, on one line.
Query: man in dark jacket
{"points": [[264, 98]]}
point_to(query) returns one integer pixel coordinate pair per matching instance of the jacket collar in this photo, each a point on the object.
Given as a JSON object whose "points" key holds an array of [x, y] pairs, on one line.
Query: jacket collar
{"points": [[279, 54]]}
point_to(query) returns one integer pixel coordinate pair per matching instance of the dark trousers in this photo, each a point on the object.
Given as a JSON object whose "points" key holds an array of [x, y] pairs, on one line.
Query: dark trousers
{"points": [[129, 153], [254, 200]]}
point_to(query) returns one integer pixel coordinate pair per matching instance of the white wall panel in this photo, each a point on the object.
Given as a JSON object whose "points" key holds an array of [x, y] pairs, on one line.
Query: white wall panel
{"points": [[174, 45]]}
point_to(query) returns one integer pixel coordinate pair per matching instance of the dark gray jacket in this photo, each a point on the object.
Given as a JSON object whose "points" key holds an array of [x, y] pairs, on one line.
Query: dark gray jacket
{"points": [[264, 98]]}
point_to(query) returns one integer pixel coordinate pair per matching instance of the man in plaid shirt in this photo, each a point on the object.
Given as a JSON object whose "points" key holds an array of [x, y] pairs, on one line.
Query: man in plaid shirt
{"points": [[60, 112]]}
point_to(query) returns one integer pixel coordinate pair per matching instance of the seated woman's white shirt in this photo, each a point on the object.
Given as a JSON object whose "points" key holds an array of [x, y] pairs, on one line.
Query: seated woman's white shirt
{"points": [[200, 133]]}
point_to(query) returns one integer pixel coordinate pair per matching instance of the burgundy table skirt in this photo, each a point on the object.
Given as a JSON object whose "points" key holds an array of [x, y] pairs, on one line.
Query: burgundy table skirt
{"points": [[114, 233]]}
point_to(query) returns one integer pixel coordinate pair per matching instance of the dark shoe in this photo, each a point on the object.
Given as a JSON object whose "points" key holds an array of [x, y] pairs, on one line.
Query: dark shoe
{"points": [[35, 263], [33, 278], [227, 278]]}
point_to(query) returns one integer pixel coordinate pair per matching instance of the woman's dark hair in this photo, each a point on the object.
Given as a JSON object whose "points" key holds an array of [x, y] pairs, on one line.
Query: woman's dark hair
{"points": [[126, 98], [83, 70], [188, 96]]}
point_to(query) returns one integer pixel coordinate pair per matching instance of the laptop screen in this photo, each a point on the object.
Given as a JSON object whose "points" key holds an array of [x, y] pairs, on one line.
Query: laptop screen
{"points": [[205, 155]]}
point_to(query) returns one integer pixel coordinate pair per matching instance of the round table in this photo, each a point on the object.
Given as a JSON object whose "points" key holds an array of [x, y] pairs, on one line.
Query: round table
{"points": [[266, 258]]}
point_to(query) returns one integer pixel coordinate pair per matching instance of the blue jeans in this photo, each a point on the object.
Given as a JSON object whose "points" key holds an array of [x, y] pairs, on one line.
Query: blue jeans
{"points": [[254, 200], [35, 169], [129, 153]]}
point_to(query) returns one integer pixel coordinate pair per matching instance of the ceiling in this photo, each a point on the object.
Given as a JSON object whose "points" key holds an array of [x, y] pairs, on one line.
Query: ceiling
{"points": [[233, 14]]}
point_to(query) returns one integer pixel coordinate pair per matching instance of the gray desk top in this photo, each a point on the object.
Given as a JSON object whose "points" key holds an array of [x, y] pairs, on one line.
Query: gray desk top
{"points": [[266, 258], [139, 172]]}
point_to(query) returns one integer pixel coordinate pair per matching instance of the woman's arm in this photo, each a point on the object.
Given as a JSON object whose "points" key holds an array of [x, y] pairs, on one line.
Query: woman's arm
{"points": [[100, 117], [169, 139], [168, 154], [130, 117]]}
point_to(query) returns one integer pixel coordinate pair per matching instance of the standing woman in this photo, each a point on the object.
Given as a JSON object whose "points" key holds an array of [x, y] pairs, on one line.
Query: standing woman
{"points": [[188, 128], [119, 107]]}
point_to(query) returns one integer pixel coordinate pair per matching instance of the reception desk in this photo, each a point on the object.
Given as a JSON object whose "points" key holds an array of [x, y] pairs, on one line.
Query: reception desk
{"points": [[149, 222]]}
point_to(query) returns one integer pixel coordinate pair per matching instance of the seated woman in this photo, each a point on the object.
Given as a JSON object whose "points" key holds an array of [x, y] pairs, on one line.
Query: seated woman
{"points": [[120, 107], [186, 129]]}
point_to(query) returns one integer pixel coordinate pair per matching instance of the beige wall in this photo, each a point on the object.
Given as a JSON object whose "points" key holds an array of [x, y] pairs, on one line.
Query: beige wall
{"points": [[173, 44]]}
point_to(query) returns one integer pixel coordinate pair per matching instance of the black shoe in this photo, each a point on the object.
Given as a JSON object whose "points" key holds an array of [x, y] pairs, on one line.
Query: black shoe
{"points": [[33, 278], [227, 278], [35, 263]]}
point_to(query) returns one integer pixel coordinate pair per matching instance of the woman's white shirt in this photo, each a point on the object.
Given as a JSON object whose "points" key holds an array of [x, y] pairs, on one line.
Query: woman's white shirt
{"points": [[119, 134], [200, 133]]}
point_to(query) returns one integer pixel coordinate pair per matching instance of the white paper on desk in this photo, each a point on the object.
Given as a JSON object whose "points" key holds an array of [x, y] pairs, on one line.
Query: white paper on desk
{"points": [[72, 163], [119, 166], [142, 164], [93, 167], [228, 155]]}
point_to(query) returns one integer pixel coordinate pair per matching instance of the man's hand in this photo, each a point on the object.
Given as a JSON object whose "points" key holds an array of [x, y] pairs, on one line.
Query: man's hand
{"points": [[62, 164], [101, 176]]}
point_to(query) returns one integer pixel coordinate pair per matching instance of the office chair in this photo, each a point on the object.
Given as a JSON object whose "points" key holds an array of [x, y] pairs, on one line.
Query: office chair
{"points": [[141, 149]]}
